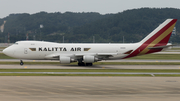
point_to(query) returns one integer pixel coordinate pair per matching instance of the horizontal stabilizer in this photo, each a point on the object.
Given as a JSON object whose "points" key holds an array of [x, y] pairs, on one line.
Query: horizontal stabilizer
{"points": [[160, 47]]}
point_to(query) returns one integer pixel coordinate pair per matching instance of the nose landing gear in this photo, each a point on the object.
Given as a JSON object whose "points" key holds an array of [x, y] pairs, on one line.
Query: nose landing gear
{"points": [[21, 63]]}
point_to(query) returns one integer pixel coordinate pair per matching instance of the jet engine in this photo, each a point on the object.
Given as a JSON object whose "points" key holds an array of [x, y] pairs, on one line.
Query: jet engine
{"points": [[65, 60], [89, 59]]}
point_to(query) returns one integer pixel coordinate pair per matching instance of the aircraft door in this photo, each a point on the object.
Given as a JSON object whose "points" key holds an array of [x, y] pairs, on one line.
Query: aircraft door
{"points": [[25, 51]]}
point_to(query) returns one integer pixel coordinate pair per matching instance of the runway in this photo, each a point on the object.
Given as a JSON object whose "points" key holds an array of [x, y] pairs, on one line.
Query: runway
{"points": [[91, 67], [134, 73], [123, 60], [89, 88]]}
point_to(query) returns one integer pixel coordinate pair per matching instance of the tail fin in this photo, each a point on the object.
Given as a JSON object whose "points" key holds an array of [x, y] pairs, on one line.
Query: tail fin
{"points": [[156, 40], [161, 34]]}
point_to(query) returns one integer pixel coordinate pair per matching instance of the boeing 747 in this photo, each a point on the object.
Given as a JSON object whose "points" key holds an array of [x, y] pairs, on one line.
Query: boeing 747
{"points": [[87, 54]]}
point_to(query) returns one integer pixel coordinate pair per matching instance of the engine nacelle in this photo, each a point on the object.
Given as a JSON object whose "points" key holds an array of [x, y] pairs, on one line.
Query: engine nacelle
{"points": [[89, 59], [65, 60]]}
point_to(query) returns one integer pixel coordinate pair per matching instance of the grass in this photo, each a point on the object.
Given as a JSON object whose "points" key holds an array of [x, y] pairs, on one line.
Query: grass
{"points": [[2, 48], [3, 56], [175, 49]]}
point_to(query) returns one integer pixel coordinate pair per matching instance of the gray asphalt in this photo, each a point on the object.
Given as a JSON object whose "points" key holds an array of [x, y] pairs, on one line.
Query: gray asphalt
{"points": [[57, 88], [127, 73], [123, 60]]}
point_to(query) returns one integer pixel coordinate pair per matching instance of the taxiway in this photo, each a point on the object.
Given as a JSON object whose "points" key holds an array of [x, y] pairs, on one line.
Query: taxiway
{"points": [[91, 67], [57, 88]]}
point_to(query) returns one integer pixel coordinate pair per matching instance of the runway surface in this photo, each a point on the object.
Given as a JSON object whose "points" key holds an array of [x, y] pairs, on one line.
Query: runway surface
{"points": [[151, 73], [91, 67], [123, 60], [89, 88]]}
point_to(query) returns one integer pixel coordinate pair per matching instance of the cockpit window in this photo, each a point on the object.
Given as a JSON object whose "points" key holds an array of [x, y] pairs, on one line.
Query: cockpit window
{"points": [[16, 43]]}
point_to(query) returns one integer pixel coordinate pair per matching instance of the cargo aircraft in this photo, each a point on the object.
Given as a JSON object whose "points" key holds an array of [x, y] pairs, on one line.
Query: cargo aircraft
{"points": [[86, 54]]}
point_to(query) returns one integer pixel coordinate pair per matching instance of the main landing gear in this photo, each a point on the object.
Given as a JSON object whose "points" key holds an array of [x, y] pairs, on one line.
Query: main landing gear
{"points": [[21, 63], [89, 64], [84, 64]]}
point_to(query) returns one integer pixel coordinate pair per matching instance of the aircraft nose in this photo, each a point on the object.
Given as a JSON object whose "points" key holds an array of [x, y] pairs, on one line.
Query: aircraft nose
{"points": [[7, 51]]}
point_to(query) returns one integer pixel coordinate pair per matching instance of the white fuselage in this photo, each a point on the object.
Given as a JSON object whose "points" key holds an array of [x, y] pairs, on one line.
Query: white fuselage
{"points": [[39, 50]]}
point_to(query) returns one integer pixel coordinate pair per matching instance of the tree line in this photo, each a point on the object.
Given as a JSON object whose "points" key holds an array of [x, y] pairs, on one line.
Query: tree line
{"points": [[133, 25]]}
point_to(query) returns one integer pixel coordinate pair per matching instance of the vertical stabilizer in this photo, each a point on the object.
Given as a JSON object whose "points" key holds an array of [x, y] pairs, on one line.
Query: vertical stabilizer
{"points": [[162, 32], [157, 38]]}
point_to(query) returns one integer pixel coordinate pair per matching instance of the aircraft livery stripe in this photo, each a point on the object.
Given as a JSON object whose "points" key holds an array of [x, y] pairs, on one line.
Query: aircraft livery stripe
{"points": [[157, 40], [161, 43], [161, 31], [163, 34]]}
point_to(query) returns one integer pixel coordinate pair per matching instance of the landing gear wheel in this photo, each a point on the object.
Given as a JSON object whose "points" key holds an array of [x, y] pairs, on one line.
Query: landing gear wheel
{"points": [[89, 64], [81, 64], [21, 63]]}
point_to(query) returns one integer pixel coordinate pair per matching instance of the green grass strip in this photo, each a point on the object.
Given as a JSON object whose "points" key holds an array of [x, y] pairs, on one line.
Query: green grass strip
{"points": [[3, 56], [175, 49]]}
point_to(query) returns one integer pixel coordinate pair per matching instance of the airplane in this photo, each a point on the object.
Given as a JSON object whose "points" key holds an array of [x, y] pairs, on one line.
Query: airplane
{"points": [[86, 54]]}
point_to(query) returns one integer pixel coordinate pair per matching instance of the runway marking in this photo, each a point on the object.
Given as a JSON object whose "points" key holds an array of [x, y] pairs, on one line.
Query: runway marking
{"points": [[25, 67], [152, 75], [157, 61]]}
